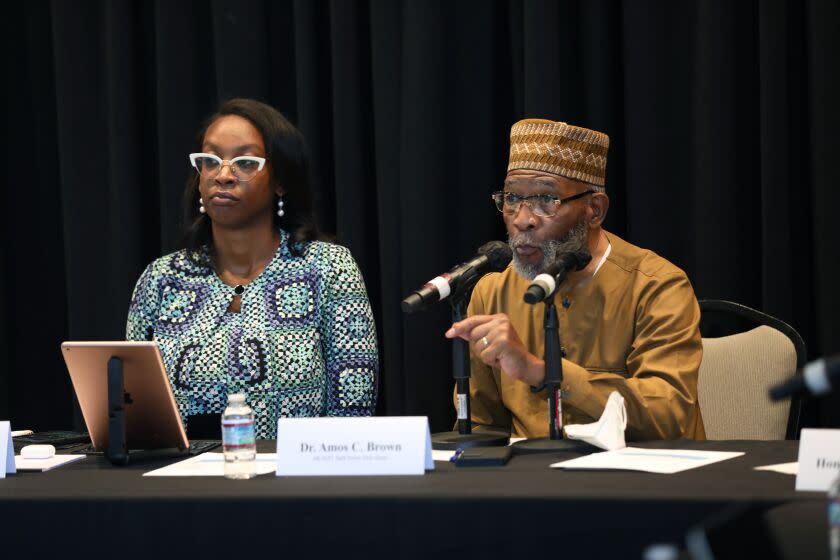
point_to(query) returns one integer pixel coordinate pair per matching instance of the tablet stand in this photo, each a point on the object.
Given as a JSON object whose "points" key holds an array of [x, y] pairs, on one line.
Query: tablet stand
{"points": [[553, 378], [117, 451], [464, 437]]}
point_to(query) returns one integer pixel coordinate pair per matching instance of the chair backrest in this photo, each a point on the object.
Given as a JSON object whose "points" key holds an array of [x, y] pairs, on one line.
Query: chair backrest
{"points": [[738, 369], [735, 375]]}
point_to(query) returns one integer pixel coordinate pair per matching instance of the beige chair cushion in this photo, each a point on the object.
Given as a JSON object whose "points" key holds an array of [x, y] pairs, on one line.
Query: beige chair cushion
{"points": [[735, 375]]}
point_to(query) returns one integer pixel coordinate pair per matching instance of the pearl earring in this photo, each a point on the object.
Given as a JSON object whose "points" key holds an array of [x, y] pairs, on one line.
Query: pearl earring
{"points": [[280, 211], [201, 206]]}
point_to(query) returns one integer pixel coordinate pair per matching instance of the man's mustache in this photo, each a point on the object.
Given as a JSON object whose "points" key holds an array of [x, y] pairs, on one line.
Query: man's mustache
{"points": [[524, 239]]}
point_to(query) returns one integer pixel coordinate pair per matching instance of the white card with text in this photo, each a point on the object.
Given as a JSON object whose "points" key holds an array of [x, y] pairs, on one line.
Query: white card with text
{"points": [[7, 450], [819, 459], [338, 446]]}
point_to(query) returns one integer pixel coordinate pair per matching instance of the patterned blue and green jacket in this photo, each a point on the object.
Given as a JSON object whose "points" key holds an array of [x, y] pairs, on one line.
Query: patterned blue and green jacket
{"points": [[303, 343]]}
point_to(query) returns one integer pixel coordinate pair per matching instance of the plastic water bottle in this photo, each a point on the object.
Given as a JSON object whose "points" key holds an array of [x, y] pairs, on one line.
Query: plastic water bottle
{"points": [[834, 519], [238, 439]]}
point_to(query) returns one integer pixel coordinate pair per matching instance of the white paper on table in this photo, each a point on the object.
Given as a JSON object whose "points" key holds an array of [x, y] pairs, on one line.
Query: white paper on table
{"points": [[45, 464], [665, 461], [784, 468], [211, 464]]}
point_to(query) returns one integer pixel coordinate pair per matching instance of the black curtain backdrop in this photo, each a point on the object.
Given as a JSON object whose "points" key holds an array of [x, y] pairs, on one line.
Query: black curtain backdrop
{"points": [[722, 117]]}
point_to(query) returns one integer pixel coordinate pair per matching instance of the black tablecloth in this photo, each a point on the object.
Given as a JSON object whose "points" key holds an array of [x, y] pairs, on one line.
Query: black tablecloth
{"points": [[497, 512]]}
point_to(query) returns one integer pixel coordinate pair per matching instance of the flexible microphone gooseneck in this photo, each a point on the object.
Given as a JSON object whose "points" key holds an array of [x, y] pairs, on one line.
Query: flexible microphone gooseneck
{"points": [[493, 256]]}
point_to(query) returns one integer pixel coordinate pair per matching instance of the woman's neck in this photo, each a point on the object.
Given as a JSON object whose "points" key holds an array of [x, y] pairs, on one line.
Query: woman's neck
{"points": [[244, 252]]}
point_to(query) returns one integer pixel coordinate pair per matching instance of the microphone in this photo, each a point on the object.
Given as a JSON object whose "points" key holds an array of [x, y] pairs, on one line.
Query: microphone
{"points": [[493, 256], [818, 378], [543, 286]]}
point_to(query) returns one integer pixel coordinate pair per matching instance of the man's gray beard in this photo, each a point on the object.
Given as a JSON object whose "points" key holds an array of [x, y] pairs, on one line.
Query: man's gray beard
{"points": [[574, 240]]}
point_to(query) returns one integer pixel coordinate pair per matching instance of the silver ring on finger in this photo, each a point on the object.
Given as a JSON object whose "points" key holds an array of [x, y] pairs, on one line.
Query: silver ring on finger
{"points": [[485, 341]]}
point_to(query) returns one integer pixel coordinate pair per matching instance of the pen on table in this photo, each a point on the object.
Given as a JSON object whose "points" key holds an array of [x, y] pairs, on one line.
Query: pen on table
{"points": [[457, 454]]}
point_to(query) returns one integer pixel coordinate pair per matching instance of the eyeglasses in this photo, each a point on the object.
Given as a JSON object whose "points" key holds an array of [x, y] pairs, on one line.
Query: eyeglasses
{"points": [[542, 205], [243, 167]]}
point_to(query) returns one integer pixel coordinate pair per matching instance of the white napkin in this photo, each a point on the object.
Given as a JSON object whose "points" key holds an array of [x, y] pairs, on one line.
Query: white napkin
{"points": [[608, 432]]}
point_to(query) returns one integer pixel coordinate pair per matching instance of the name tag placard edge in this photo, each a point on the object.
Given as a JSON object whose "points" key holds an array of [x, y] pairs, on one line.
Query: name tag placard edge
{"points": [[353, 446], [819, 458]]}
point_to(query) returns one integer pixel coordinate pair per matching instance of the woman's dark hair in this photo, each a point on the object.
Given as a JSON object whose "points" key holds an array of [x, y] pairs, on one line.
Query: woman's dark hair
{"points": [[288, 164]]}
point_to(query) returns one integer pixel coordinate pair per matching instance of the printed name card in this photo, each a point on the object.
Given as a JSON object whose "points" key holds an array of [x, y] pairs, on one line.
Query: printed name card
{"points": [[7, 450], [819, 459], [385, 445]]}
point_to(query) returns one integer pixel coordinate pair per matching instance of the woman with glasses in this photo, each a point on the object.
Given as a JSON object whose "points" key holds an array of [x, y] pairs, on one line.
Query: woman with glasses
{"points": [[255, 302]]}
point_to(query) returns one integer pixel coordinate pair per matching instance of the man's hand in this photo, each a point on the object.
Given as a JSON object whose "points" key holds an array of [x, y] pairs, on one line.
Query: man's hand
{"points": [[494, 340]]}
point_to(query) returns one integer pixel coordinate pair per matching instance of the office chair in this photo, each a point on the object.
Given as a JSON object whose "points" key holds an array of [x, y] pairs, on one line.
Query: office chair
{"points": [[745, 352]]}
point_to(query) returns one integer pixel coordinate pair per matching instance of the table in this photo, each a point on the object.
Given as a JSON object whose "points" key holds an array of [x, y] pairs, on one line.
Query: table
{"points": [[492, 512]]}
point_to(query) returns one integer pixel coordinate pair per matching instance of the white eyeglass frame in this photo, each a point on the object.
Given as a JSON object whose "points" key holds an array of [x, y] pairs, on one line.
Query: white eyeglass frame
{"points": [[230, 162]]}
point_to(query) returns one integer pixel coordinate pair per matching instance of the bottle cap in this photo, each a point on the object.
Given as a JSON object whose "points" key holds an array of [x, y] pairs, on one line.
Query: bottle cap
{"points": [[236, 397], [661, 551]]}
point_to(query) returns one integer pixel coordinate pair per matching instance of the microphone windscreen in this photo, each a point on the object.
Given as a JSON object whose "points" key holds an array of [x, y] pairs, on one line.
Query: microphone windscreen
{"points": [[498, 253], [583, 257], [412, 303]]}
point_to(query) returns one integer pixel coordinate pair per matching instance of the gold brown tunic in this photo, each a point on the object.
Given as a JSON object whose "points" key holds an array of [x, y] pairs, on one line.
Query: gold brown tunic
{"points": [[632, 328]]}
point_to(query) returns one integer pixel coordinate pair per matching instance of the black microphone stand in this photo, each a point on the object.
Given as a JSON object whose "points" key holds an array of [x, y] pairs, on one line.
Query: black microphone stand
{"points": [[553, 358], [464, 437]]}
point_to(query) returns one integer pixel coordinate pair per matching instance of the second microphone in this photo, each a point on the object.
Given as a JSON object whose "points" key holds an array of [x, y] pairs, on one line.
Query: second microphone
{"points": [[493, 256]]}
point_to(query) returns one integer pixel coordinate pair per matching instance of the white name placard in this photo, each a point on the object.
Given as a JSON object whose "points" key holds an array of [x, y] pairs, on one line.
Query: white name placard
{"points": [[385, 445], [819, 459], [7, 450]]}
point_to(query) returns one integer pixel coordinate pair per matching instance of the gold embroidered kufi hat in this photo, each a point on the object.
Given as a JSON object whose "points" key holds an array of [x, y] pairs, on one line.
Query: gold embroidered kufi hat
{"points": [[559, 148]]}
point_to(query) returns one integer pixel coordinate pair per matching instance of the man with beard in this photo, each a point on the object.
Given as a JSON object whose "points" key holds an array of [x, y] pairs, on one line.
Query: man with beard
{"points": [[629, 321]]}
